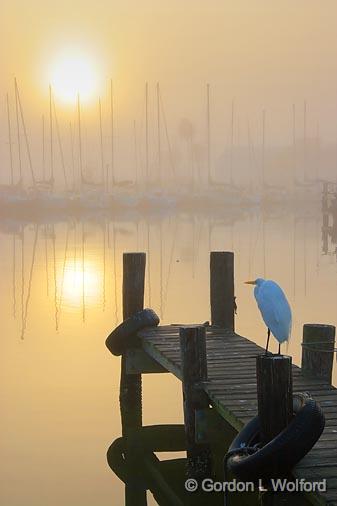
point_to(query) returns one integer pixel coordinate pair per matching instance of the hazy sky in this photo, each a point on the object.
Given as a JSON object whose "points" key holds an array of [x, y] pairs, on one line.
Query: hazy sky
{"points": [[264, 54]]}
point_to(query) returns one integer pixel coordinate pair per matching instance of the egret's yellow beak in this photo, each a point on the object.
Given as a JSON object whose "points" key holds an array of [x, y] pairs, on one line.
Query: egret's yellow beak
{"points": [[250, 282]]}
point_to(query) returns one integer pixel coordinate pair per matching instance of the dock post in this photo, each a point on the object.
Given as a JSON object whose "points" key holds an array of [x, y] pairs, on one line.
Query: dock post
{"points": [[133, 301], [130, 395], [274, 394], [222, 289], [194, 371], [318, 351]]}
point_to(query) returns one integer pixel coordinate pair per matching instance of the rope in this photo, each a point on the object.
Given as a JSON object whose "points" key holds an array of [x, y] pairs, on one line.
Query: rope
{"points": [[312, 347]]}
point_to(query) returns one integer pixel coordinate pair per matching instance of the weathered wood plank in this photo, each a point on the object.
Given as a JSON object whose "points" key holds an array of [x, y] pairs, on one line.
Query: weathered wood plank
{"points": [[231, 389]]}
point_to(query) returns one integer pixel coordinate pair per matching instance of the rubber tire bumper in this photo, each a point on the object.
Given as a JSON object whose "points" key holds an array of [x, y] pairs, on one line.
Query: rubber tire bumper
{"points": [[277, 458], [125, 335]]}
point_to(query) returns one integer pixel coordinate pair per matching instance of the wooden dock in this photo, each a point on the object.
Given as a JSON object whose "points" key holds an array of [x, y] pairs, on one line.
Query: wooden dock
{"points": [[231, 388], [217, 368]]}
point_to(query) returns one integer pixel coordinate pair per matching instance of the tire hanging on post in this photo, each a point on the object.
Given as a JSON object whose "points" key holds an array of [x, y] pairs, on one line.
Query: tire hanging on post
{"points": [[248, 460]]}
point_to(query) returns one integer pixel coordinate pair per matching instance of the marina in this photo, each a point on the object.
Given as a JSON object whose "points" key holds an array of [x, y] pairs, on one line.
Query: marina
{"points": [[168, 253]]}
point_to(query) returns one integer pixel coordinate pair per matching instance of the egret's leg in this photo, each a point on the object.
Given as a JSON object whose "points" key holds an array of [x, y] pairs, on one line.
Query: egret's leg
{"points": [[279, 348], [268, 341]]}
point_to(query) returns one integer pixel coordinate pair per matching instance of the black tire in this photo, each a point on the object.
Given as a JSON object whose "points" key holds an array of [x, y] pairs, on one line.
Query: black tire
{"points": [[116, 459], [125, 336], [276, 459]]}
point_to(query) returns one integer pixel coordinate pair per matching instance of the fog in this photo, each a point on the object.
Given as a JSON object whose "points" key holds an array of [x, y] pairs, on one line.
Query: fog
{"points": [[175, 128], [255, 55]]}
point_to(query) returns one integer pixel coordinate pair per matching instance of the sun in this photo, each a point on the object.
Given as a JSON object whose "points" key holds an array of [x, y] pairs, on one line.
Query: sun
{"points": [[80, 280], [73, 75]]}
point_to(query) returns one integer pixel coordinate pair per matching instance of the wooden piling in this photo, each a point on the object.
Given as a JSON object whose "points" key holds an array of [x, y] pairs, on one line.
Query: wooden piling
{"points": [[130, 395], [194, 371], [274, 394], [318, 351], [222, 289], [133, 301], [133, 283]]}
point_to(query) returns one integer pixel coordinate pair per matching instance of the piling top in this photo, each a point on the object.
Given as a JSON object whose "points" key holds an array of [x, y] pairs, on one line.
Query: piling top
{"points": [[222, 253], [191, 326], [321, 326], [318, 331], [274, 356], [318, 350], [132, 253]]}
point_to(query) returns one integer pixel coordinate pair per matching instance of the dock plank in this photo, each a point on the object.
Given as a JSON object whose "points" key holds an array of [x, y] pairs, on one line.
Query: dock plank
{"points": [[231, 388]]}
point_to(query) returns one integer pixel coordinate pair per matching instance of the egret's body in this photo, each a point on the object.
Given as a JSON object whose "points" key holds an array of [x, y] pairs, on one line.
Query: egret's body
{"points": [[275, 309]]}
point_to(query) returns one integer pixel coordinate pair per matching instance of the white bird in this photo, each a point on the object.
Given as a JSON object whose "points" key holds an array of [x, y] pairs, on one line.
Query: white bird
{"points": [[275, 309]]}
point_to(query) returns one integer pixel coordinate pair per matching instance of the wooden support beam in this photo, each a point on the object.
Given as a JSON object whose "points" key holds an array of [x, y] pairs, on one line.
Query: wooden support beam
{"points": [[139, 362], [222, 289], [133, 301], [274, 394], [318, 351], [212, 428], [131, 385], [194, 372]]}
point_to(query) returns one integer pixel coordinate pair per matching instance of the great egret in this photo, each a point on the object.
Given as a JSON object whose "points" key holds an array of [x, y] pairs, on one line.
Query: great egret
{"points": [[275, 309]]}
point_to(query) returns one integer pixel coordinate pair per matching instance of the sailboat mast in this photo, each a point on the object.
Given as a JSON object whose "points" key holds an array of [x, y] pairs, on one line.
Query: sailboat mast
{"points": [[43, 150], [112, 112], [59, 140], [163, 116], [208, 134], [51, 136], [25, 134], [136, 150], [23, 243], [18, 133], [83, 274], [318, 150], [250, 154], [14, 276], [263, 146], [304, 139], [72, 154], [232, 145], [29, 287], [10, 140], [56, 309], [101, 141], [46, 258], [104, 264], [79, 136], [147, 131], [294, 144], [158, 134]]}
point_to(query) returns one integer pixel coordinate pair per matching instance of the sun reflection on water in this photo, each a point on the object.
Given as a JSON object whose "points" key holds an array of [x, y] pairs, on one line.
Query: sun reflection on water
{"points": [[81, 280], [62, 293]]}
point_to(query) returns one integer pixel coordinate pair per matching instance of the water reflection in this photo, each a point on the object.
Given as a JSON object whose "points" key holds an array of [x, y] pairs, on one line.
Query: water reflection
{"points": [[61, 294], [329, 221], [76, 264]]}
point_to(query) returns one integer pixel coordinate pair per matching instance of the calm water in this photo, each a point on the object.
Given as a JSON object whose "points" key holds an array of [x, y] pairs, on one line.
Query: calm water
{"points": [[61, 296]]}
